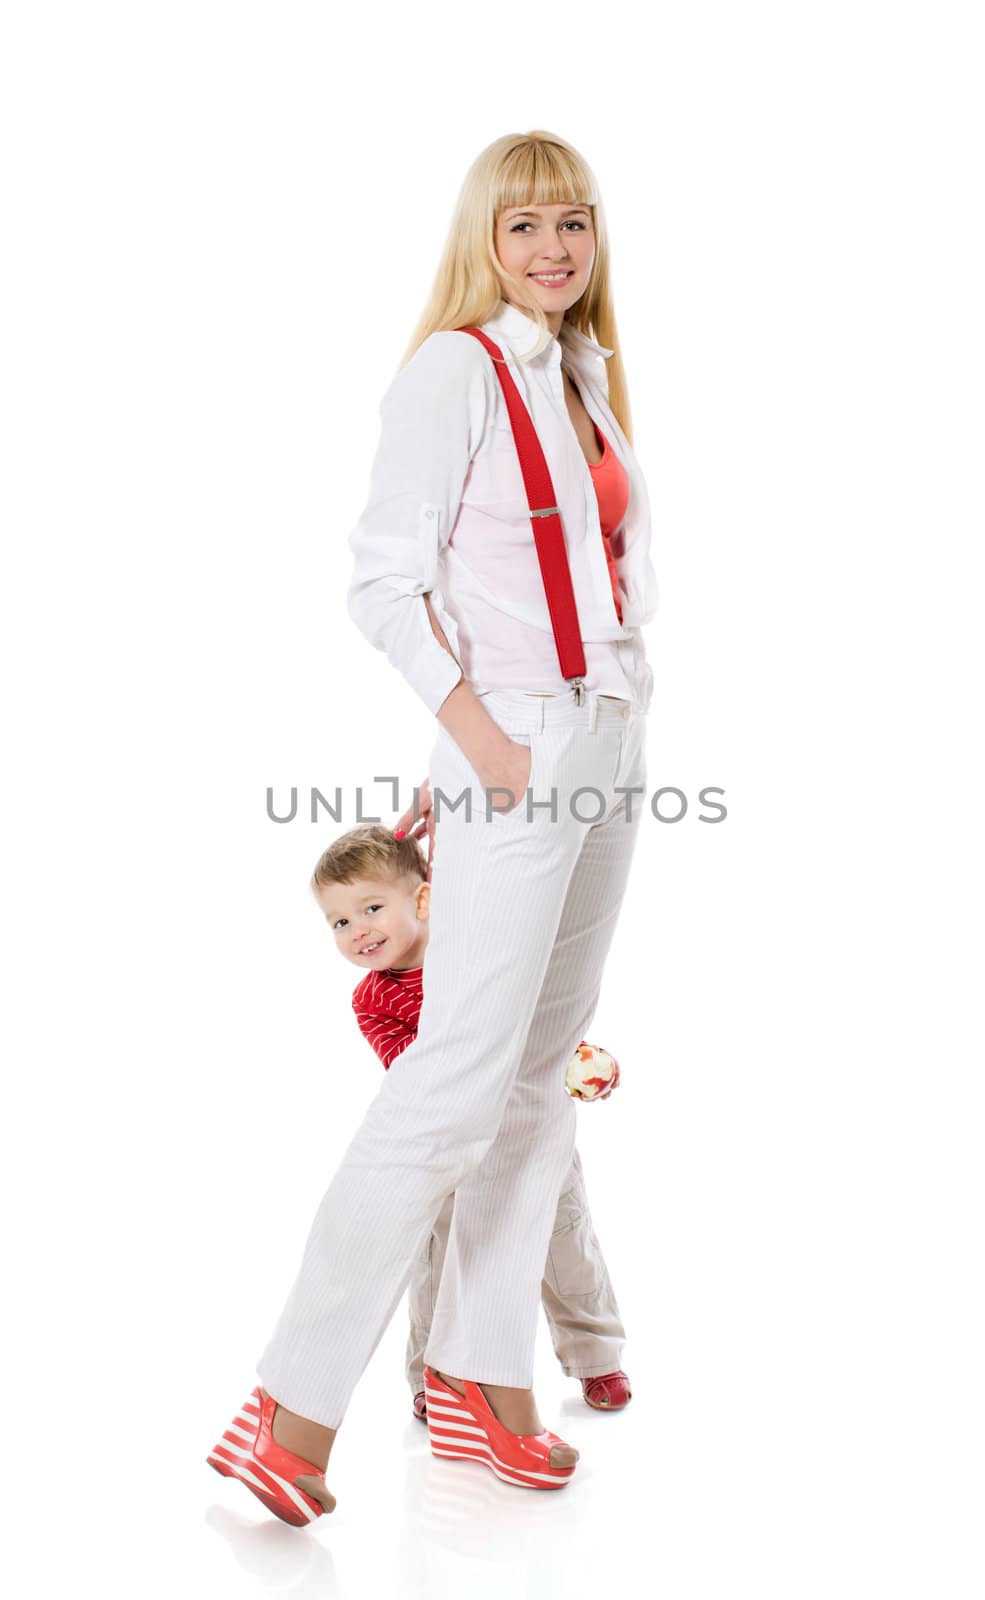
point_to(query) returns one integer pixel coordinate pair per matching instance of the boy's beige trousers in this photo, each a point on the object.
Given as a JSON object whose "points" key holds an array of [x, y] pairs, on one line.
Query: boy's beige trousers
{"points": [[576, 1292], [523, 909]]}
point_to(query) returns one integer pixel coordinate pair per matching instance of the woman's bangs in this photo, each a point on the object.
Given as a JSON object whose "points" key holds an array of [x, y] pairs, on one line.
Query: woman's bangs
{"points": [[539, 175]]}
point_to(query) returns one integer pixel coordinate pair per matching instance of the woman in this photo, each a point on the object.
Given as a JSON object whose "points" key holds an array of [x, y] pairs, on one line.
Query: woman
{"points": [[524, 899]]}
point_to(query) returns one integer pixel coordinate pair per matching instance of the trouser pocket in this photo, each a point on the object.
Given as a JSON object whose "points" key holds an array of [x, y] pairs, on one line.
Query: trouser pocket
{"points": [[462, 791], [573, 1252]]}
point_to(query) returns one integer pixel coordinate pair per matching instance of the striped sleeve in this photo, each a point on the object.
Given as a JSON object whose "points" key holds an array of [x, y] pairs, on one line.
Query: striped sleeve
{"points": [[387, 1034]]}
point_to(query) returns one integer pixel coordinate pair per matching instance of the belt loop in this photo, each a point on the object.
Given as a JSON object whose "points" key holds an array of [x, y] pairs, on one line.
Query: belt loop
{"points": [[593, 709], [541, 703]]}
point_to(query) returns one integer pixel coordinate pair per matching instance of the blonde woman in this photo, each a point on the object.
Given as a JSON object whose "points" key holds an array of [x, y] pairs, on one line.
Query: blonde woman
{"points": [[528, 875]]}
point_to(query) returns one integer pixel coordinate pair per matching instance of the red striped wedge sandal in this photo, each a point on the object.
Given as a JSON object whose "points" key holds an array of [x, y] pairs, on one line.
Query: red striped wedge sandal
{"points": [[248, 1451], [467, 1429]]}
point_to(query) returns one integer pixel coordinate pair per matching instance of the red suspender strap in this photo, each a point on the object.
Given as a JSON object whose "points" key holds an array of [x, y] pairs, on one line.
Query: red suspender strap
{"points": [[545, 519]]}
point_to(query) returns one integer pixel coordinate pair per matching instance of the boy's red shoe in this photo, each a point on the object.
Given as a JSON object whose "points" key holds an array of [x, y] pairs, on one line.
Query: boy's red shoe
{"points": [[248, 1451], [466, 1428], [610, 1392]]}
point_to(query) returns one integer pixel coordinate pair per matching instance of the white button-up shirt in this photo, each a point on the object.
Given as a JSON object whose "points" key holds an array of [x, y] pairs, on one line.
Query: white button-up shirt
{"points": [[448, 516]]}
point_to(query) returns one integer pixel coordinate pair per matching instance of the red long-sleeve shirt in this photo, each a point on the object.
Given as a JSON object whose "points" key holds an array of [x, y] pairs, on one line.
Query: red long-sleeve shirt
{"points": [[387, 1006]]}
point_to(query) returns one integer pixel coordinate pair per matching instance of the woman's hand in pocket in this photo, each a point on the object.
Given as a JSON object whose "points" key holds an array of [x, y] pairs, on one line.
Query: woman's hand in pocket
{"points": [[511, 771]]}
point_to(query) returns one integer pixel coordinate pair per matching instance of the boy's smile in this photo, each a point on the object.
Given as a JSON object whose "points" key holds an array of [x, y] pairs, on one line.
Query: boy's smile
{"points": [[378, 922]]}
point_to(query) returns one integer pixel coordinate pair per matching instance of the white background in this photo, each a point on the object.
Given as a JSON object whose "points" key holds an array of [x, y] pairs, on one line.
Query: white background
{"points": [[221, 225]]}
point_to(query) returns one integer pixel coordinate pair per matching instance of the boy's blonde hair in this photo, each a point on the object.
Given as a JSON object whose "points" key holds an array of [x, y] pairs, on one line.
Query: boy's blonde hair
{"points": [[536, 168], [369, 851]]}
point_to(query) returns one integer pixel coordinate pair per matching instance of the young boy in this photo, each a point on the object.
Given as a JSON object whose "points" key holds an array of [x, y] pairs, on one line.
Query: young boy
{"points": [[373, 891]]}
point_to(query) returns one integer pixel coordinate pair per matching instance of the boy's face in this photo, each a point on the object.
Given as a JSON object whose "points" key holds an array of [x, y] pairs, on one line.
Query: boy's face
{"points": [[378, 922]]}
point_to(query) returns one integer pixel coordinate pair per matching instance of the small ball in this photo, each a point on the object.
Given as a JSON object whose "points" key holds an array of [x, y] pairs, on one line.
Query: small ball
{"points": [[592, 1073]]}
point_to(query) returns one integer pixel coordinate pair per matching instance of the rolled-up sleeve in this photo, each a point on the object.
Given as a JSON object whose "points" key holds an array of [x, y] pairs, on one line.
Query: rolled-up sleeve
{"points": [[432, 416]]}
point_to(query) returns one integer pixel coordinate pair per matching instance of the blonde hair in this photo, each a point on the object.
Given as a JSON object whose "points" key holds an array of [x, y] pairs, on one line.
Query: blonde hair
{"points": [[519, 169], [368, 851]]}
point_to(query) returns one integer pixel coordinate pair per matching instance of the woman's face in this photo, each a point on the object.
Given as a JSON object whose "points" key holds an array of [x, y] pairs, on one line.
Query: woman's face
{"points": [[539, 242]]}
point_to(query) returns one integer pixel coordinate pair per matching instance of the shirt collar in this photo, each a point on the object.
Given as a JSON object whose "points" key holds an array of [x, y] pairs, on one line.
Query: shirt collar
{"points": [[518, 332], [413, 977]]}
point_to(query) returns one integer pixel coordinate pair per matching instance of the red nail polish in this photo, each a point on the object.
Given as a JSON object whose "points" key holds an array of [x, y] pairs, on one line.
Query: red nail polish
{"points": [[398, 833]]}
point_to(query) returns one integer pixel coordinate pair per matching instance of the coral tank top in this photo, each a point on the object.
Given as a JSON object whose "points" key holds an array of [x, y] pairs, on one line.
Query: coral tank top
{"points": [[612, 494]]}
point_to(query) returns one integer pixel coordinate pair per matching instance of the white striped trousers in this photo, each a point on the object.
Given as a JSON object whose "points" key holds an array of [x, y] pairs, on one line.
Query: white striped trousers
{"points": [[523, 908]]}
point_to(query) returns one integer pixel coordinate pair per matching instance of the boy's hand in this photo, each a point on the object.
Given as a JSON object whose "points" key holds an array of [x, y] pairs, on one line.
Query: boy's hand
{"points": [[410, 826]]}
